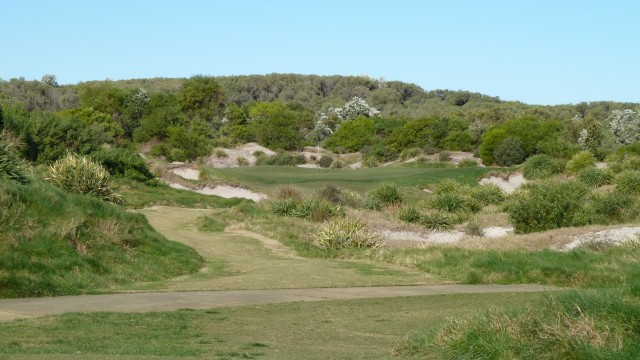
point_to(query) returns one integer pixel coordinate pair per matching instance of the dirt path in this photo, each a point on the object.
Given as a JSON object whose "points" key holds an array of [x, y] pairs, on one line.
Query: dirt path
{"points": [[241, 259], [11, 309]]}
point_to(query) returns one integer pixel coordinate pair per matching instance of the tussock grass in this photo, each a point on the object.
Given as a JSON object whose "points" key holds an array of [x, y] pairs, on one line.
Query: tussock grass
{"points": [[55, 243], [573, 325]]}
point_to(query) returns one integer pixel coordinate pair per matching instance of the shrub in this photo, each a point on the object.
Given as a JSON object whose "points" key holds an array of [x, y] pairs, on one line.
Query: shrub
{"points": [[628, 182], [437, 220], [595, 177], [285, 207], [10, 164], [281, 158], [613, 207], [409, 153], [332, 194], [510, 152], [258, 153], [547, 205], [449, 186], [453, 202], [386, 194], [541, 166], [444, 156], [221, 154], [370, 162], [338, 164], [289, 192], [409, 214], [579, 161], [81, 175], [467, 163], [317, 210], [488, 194], [325, 161], [344, 232], [473, 228], [123, 162], [242, 161]]}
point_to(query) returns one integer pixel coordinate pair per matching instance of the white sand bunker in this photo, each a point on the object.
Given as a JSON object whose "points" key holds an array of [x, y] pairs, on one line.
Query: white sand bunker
{"points": [[186, 173], [509, 186], [611, 236], [178, 186], [227, 158], [497, 231], [445, 237], [231, 192]]}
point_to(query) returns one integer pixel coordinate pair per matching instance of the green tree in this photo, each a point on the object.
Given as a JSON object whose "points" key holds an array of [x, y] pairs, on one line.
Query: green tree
{"points": [[275, 126], [202, 97], [353, 135]]}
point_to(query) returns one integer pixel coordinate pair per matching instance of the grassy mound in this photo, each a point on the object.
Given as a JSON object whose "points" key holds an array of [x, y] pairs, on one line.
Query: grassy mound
{"points": [[55, 243]]}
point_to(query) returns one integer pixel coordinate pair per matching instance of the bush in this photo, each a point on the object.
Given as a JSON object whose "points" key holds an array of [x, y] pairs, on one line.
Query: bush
{"points": [[10, 164], [510, 152], [547, 205], [242, 161], [317, 210], [332, 194], [437, 220], [370, 162], [628, 182], [614, 207], [289, 192], [325, 161], [453, 202], [487, 194], [282, 158], [123, 162], [595, 177], [449, 186], [467, 163], [409, 153], [541, 166], [285, 207], [386, 194], [343, 233], [444, 156], [81, 175], [579, 161], [409, 214], [220, 154]]}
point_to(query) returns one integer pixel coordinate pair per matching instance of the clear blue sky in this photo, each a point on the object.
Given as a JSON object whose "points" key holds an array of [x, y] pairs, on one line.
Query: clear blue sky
{"points": [[539, 52]]}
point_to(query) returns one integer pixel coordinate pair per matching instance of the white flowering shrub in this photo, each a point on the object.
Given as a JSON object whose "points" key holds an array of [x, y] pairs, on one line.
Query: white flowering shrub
{"points": [[330, 121], [625, 125]]}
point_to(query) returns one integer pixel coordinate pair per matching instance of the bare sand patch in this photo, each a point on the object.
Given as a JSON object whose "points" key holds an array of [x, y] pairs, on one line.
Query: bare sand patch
{"points": [[231, 157], [187, 173], [509, 185], [611, 236], [497, 231], [226, 191]]}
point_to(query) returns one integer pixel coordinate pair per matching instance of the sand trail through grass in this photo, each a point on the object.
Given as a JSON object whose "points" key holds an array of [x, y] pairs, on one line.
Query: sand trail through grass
{"points": [[244, 260]]}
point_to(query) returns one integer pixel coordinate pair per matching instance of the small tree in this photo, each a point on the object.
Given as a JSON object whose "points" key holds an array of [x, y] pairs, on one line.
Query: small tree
{"points": [[510, 152], [625, 125]]}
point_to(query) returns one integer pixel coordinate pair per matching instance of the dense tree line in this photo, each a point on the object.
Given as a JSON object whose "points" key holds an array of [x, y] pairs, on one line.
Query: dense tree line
{"points": [[182, 119]]}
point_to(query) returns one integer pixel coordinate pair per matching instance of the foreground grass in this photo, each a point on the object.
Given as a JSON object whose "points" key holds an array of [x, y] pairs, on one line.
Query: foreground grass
{"points": [[54, 243], [575, 325], [345, 329]]}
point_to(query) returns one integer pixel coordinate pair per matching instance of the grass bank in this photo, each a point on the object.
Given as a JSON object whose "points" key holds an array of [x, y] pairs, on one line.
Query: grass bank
{"points": [[55, 243]]}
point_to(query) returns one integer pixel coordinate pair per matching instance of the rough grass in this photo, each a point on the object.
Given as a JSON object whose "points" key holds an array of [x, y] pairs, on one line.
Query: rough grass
{"points": [[55, 243], [573, 325], [340, 329]]}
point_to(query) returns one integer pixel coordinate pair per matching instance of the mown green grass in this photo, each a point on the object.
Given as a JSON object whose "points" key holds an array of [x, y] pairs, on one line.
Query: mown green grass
{"points": [[341, 329], [55, 243], [269, 178]]}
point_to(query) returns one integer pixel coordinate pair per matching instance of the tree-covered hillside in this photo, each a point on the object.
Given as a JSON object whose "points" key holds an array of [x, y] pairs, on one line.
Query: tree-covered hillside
{"points": [[182, 119]]}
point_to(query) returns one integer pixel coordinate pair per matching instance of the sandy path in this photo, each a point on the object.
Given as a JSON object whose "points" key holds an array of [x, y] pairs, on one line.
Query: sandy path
{"points": [[11, 309]]}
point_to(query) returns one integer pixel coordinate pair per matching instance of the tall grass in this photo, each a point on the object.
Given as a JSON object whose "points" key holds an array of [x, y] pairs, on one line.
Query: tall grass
{"points": [[55, 243]]}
